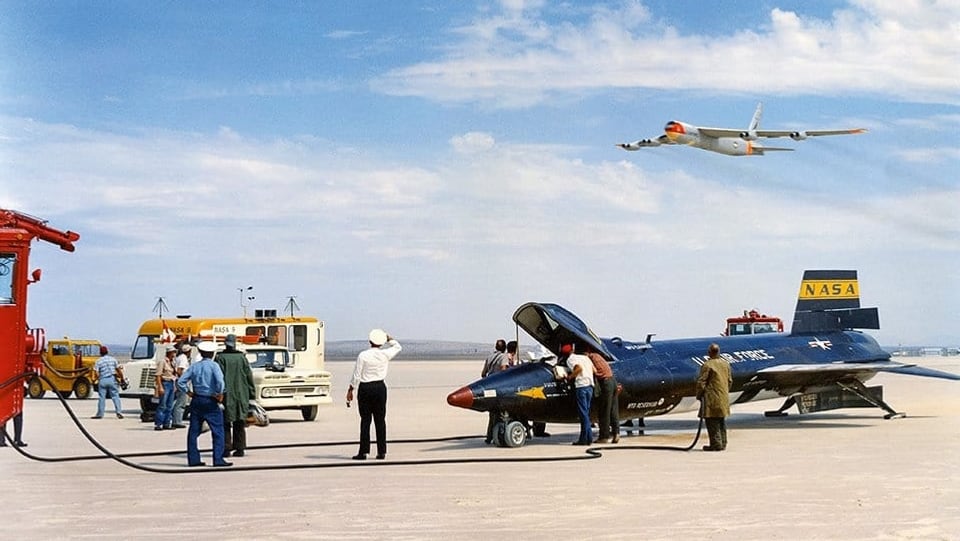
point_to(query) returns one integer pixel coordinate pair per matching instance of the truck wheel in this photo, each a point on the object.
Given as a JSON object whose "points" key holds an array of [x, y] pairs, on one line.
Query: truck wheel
{"points": [[81, 389], [147, 404], [35, 388], [516, 434], [309, 412]]}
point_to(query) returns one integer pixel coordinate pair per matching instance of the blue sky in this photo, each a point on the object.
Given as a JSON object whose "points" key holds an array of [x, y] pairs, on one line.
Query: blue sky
{"points": [[430, 166]]}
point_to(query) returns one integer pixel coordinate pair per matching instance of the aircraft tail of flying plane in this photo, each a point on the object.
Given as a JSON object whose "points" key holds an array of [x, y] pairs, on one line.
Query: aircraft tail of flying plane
{"points": [[821, 364], [729, 141]]}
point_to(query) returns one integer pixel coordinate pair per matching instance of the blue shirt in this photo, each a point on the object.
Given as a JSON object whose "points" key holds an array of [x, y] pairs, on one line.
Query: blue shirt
{"points": [[206, 376], [106, 368]]}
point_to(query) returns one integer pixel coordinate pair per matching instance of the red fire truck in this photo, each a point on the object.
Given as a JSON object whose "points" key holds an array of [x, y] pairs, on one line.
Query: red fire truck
{"points": [[752, 322]]}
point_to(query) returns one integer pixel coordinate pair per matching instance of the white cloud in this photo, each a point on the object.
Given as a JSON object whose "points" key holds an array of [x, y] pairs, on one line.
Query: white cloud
{"points": [[508, 222], [518, 57]]}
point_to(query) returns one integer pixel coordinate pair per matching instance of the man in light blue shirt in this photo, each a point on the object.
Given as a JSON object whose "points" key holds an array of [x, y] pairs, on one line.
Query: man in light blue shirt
{"points": [[207, 380], [106, 370]]}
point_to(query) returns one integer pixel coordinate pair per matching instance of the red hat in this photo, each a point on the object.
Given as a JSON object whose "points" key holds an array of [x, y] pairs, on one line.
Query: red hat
{"points": [[566, 349]]}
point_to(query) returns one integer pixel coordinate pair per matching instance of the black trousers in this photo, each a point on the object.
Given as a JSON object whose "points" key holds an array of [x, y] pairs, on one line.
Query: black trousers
{"points": [[17, 429], [235, 435], [717, 430], [372, 403]]}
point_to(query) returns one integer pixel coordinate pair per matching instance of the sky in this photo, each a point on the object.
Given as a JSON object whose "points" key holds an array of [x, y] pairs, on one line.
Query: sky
{"points": [[427, 167]]}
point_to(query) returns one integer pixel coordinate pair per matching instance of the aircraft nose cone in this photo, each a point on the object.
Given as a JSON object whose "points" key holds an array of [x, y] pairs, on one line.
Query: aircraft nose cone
{"points": [[461, 398]]}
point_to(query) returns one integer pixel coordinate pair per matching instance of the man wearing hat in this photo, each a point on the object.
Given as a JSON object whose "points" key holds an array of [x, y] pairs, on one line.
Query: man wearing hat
{"points": [[163, 389], [207, 380], [368, 376], [180, 363], [240, 390]]}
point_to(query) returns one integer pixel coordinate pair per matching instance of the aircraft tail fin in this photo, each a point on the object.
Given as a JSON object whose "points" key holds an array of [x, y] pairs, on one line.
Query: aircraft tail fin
{"points": [[755, 122], [829, 300]]}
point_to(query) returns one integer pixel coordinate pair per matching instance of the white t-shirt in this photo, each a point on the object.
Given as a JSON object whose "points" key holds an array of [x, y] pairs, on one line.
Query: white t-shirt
{"points": [[182, 362], [585, 378]]}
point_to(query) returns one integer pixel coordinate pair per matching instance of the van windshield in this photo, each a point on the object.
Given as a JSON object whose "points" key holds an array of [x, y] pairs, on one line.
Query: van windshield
{"points": [[268, 358]]}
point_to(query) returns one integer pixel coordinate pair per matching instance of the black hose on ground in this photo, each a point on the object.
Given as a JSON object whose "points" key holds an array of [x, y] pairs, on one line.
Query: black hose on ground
{"points": [[589, 453]]}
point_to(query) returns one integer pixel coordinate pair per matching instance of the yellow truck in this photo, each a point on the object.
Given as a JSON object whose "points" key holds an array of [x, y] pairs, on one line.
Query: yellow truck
{"points": [[67, 363]]}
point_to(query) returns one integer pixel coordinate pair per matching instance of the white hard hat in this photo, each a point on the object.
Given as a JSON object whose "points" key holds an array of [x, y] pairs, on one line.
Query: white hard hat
{"points": [[378, 337], [207, 346]]}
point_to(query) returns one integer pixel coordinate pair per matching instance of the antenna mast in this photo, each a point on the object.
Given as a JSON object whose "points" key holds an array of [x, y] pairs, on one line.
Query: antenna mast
{"points": [[291, 305], [159, 307]]}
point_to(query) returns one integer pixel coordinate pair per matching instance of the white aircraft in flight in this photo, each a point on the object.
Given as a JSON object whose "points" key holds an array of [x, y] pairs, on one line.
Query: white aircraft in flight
{"points": [[731, 142]]}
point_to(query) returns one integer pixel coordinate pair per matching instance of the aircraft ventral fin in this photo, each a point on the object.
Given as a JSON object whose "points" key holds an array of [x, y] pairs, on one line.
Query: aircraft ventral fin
{"points": [[797, 375]]}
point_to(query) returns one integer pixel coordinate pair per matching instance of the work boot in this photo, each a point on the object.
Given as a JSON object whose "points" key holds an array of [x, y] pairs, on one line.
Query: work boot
{"points": [[19, 443]]}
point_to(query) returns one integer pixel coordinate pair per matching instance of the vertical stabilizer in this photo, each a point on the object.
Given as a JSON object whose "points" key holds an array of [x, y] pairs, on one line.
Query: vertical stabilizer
{"points": [[755, 122], [829, 300]]}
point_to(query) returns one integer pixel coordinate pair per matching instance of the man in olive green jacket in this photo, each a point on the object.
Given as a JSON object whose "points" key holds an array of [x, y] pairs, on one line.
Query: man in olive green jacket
{"points": [[240, 390], [713, 391]]}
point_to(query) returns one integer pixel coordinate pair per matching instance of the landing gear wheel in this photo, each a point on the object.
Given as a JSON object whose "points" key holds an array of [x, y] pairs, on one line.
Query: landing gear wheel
{"points": [[81, 389], [515, 434], [35, 388], [309, 412], [64, 394]]}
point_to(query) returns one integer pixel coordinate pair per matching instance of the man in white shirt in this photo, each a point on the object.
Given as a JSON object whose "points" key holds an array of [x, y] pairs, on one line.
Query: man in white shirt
{"points": [[181, 363], [581, 374], [368, 376]]}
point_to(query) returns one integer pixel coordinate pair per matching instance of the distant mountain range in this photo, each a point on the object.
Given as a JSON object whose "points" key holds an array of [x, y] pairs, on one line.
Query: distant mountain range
{"points": [[420, 349]]}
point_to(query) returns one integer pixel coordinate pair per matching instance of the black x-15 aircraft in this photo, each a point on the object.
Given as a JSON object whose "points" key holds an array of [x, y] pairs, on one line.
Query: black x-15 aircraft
{"points": [[821, 364]]}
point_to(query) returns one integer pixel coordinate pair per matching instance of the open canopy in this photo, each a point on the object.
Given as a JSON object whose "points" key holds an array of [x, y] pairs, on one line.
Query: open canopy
{"points": [[553, 325]]}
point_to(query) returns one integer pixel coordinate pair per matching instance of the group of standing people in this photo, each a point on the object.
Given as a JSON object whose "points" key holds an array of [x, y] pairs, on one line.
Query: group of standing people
{"points": [[220, 387], [593, 379]]}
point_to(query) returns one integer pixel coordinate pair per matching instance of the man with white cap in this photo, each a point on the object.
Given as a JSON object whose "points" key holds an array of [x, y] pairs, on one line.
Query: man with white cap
{"points": [[181, 363], [206, 395], [368, 376]]}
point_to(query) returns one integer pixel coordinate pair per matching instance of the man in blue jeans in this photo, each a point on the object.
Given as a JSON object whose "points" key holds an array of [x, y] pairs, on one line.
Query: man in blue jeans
{"points": [[107, 370], [207, 380], [166, 377], [581, 374]]}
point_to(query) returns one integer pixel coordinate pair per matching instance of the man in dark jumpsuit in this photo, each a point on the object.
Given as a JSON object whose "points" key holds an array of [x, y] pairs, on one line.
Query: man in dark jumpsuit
{"points": [[713, 391], [240, 390]]}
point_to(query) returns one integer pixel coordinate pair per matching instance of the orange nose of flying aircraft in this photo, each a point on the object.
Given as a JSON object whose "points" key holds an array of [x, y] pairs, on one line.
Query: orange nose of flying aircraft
{"points": [[673, 130], [461, 398]]}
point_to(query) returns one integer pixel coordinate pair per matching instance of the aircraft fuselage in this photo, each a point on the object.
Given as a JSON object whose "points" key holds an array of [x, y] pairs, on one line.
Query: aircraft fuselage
{"points": [[660, 377], [681, 133]]}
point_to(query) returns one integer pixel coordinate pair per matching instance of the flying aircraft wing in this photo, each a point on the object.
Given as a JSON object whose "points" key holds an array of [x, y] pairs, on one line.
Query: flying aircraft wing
{"points": [[637, 145], [793, 134], [793, 376]]}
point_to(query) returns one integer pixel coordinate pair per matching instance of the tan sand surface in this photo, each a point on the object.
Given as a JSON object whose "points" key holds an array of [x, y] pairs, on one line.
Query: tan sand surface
{"points": [[846, 474]]}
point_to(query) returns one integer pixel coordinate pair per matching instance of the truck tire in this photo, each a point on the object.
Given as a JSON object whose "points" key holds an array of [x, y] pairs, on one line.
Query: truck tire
{"points": [[309, 412], [35, 388], [81, 388]]}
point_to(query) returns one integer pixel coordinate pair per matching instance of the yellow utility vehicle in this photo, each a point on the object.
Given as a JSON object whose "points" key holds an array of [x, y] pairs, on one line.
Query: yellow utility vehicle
{"points": [[67, 362]]}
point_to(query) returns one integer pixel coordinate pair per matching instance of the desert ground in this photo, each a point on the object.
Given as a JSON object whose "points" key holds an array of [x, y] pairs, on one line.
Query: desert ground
{"points": [[845, 474]]}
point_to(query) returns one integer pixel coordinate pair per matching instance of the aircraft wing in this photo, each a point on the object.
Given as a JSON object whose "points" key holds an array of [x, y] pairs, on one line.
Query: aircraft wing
{"points": [[807, 133], [795, 134], [642, 143], [792, 376]]}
